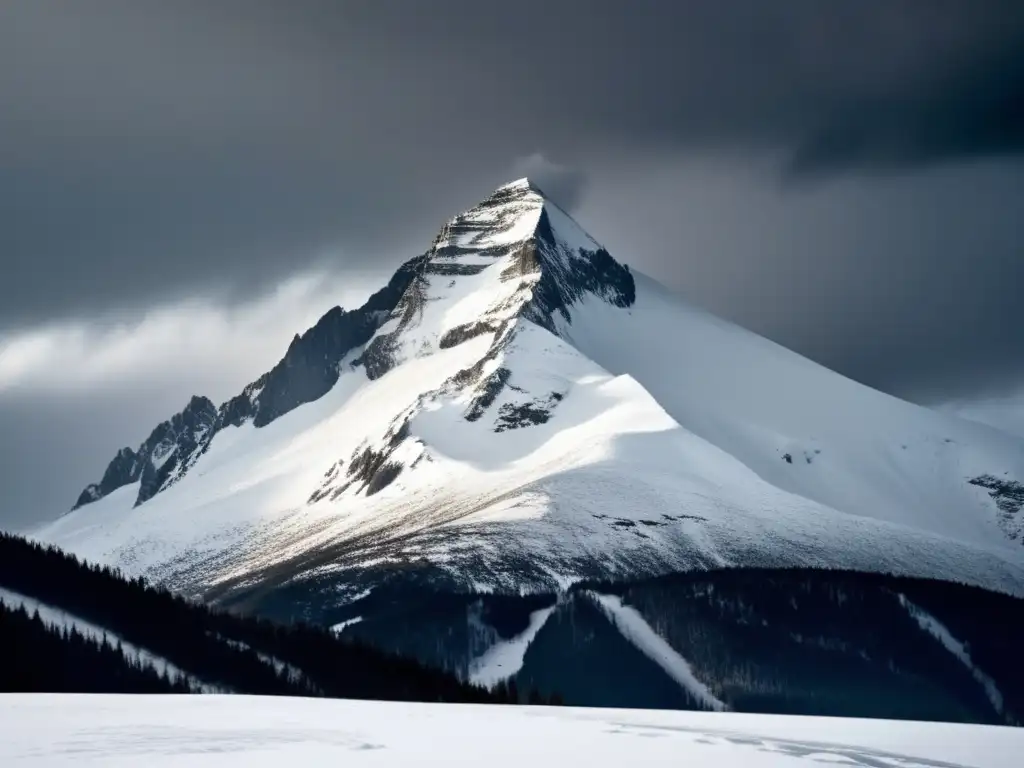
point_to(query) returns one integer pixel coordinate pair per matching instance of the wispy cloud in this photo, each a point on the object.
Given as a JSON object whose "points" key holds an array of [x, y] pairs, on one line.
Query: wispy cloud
{"points": [[211, 346]]}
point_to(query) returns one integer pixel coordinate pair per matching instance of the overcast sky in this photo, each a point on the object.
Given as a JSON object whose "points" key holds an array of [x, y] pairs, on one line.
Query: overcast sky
{"points": [[183, 186]]}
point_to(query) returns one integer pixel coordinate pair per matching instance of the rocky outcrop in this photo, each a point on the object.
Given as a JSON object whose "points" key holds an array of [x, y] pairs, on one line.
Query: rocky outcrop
{"points": [[308, 370], [565, 278], [1008, 496], [311, 365], [123, 470], [162, 458], [174, 446], [379, 357]]}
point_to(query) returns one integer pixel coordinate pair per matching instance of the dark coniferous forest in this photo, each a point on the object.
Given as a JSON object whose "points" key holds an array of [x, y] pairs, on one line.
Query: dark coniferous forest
{"points": [[41, 657], [217, 650]]}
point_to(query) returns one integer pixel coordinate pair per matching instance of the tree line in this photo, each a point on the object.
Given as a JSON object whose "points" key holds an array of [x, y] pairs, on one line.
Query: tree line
{"points": [[241, 654], [44, 658]]}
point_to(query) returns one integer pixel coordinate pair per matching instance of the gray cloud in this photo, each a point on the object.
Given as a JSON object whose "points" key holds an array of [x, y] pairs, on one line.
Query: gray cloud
{"points": [[911, 286], [155, 149], [562, 184], [39, 476]]}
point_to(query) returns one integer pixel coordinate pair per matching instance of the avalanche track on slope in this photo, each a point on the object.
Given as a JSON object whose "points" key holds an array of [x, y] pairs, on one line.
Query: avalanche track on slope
{"points": [[530, 412]]}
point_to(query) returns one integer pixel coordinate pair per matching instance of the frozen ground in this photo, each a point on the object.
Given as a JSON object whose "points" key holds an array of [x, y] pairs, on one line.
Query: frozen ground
{"points": [[228, 731]]}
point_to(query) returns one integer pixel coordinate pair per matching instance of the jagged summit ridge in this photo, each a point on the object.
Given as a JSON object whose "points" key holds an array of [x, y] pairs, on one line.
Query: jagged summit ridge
{"points": [[544, 261], [540, 261], [162, 458]]}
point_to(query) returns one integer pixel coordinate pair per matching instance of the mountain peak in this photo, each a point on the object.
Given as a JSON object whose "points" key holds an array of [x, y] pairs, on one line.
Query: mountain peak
{"points": [[541, 262], [511, 215], [523, 183]]}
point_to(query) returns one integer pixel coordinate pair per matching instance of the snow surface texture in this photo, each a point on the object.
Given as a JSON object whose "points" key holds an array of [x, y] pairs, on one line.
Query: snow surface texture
{"points": [[533, 413], [229, 731], [55, 617]]}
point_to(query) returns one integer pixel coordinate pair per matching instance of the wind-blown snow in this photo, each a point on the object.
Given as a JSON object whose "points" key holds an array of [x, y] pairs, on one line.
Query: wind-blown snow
{"points": [[267, 732], [60, 619], [635, 629], [505, 658], [636, 440], [938, 630]]}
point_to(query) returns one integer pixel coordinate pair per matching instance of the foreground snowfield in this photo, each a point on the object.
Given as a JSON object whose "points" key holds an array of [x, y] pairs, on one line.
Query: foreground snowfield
{"points": [[227, 731]]}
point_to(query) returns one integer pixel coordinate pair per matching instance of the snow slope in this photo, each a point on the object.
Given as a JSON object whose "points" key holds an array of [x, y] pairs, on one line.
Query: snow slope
{"points": [[226, 731], [852, 448], [532, 413]]}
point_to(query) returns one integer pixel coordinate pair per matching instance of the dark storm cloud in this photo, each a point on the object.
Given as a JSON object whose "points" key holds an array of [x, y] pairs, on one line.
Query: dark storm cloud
{"points": [[564, 185], [52, 449], [912, 286], [151, 148]]}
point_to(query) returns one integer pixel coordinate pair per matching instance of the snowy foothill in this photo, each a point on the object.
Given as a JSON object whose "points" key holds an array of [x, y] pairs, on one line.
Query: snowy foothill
{"points": [[47, 731]]}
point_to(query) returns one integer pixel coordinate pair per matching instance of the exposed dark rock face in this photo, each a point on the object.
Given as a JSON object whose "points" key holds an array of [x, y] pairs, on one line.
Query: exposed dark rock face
{"points": [[462, 333], [330, 478], [518, 415], [379, 356], [487, 393], [371, 468], [310, 366], [123, 470], [564, 281], [1008, 494], [309, 369], [553, 277], [1009, 498], [174, 446], [443, 268], [162, 458]]}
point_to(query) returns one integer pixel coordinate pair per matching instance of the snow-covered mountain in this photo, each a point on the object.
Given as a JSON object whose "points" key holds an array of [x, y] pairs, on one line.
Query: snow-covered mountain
{"points": [[518, 410]]}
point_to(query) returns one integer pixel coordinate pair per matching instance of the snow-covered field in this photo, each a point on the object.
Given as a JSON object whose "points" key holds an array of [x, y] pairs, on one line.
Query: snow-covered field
{"points": [[622, 441], [228, 731]]}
